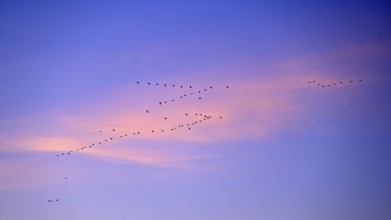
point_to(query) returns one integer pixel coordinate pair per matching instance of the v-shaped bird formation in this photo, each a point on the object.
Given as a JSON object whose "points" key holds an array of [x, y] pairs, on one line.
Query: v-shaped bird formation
{"points": [[192, 120]]}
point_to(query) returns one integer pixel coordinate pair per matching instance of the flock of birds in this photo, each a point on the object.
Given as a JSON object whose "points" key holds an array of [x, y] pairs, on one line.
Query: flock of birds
{"points": [[333, 83], [193, 119]]}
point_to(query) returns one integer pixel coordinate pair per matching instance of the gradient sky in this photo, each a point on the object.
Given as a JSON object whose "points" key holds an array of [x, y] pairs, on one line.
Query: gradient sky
{"points": [[284, 149]]}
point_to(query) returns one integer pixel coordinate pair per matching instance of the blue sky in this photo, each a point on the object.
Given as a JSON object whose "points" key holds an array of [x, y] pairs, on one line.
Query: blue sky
{"points": [[282, 149]]}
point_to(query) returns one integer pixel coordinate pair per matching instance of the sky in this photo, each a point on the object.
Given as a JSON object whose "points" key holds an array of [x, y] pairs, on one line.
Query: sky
{"points": [[291, 101]]}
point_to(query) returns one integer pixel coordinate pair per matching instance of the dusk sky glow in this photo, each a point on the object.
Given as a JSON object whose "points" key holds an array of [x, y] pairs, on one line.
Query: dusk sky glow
{"points": [[294, 97]]}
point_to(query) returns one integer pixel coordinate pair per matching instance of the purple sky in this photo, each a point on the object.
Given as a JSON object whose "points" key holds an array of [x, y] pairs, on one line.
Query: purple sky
{"points": [[283, 149]]}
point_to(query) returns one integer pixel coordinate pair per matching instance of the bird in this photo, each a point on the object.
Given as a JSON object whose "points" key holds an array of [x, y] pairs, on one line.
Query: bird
{"points": [[58, 155], [181, 86], [199, 98], [157, 84], [165, 85], [56, 200], [111, 138], [147, 110], [138, 82], [360, 80], [160, 103], [199, 91], [184, 95], [100, 131], [100, 142], [190, 87], [205, 90], [172, 100], [165, 102], [162, 130], [221, 117], [186, 114], [351, 81], [113, 129], [120, 136], [149, 83], [308, 82], [341, 82], [66, 178], [153, 131], [227, 87], [165, 118], [173, 85]]}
